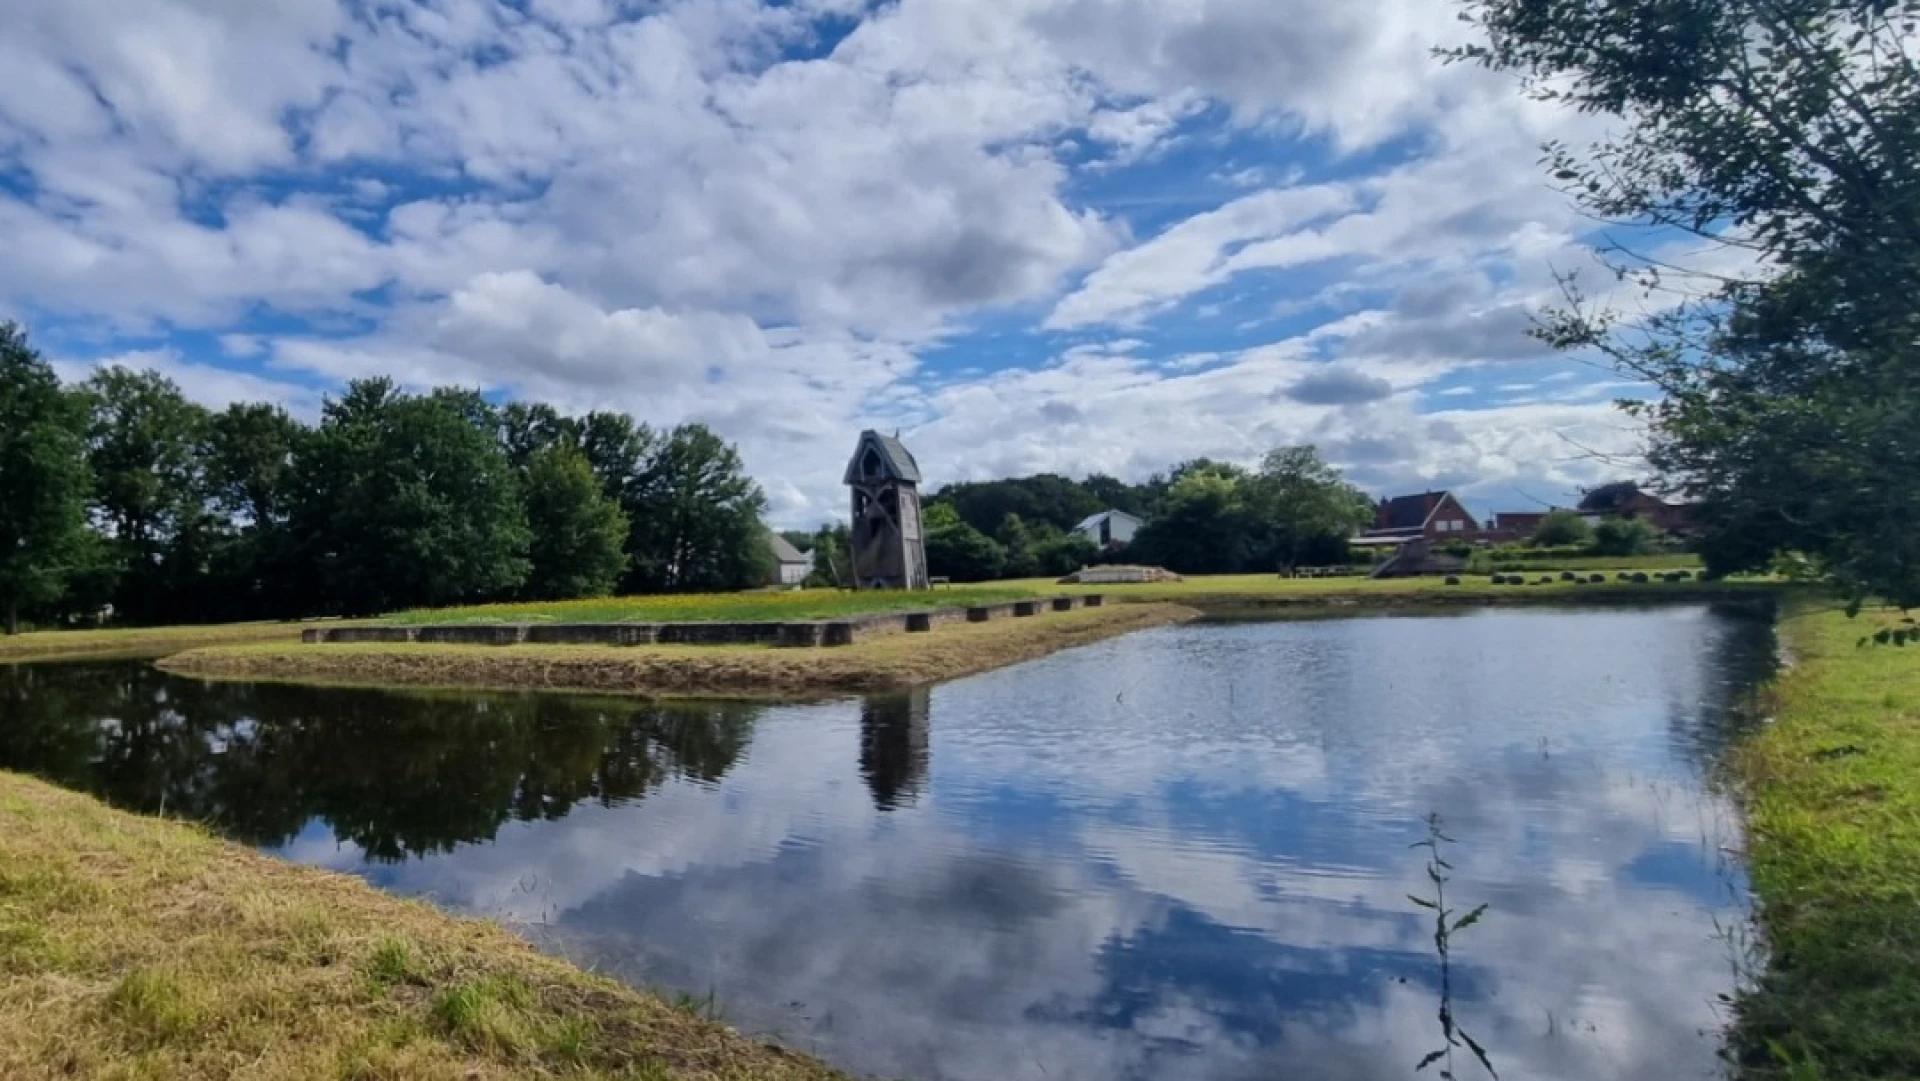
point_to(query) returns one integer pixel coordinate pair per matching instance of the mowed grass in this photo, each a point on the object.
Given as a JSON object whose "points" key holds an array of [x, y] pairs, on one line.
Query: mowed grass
{"points": [[137, 949], [885, 662], [40, 645], [1663, 561], [1832, 792], [753, 606], [1271, 586]]}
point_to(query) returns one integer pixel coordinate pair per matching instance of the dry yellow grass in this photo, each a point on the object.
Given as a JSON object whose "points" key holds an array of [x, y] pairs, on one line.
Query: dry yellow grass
{"points": [[890, 661], [136, 641], [134, 948]]}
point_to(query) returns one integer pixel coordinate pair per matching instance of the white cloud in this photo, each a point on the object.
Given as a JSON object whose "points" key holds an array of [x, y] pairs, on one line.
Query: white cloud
{"points": [[698, 210]]}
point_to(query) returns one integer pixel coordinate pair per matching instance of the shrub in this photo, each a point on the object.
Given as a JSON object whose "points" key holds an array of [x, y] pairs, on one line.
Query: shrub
{"points": [[1683, 576], [1544, 580], [1569, 576], [1640, 577], [1596, 579], [1563, 528], [1453, 579], [1622, 537]]}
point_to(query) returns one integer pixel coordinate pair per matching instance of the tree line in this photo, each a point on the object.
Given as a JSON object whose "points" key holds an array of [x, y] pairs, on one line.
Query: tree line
{"points": [[1203, 517], [119, 491]]}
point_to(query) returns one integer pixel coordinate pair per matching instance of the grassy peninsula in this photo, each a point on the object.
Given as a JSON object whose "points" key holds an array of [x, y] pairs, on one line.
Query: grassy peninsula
{"points": [[875, 664], [1833, 812], [133, 947], [137, 641]]}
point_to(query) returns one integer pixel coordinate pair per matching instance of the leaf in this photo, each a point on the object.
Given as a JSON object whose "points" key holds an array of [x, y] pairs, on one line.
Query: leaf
{"points": [[1432, 1057], [1423, 902], [1469, 919]]}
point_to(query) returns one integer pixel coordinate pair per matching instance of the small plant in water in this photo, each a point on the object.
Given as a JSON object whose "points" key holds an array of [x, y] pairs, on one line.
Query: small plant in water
{"points": [[1445, 926]]}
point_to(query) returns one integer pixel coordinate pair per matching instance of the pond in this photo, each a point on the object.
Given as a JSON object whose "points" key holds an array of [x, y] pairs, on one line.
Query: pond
{"points": [[1184, 853]]}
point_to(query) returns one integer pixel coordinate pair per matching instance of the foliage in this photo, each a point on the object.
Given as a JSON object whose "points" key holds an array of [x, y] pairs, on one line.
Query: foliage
{"points": [[1220, 519], [756, 605], [1562, 528], [43, 480], [408, 500], [958, 551], [1046, 498], [695, 517], [144, 441], [1787, 134], [1445, 926], [1622, 537], [832, 549], [1062, 554], [578, 534], [1609, 497]]}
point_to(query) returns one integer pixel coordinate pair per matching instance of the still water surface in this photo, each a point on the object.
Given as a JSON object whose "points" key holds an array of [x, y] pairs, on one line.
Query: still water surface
{"points": [[1178, 854]]}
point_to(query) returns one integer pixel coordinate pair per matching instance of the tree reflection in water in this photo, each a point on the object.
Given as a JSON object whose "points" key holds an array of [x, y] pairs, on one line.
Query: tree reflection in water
{"points": [[398, 774]]}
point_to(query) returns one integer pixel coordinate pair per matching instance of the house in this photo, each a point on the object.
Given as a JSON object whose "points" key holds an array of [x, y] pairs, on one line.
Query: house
{"points": [[794, 564], [1427, 516], [1624, 499], [1517, 524], [1110, 528]]}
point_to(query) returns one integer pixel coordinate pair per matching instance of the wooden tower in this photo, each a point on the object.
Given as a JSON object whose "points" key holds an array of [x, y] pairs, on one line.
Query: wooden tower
{"points": [[889, 550]]}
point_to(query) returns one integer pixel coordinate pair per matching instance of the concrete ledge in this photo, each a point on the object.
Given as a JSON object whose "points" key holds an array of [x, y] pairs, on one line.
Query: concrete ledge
{"points": [[594, 634], [473, 634], [359, 634]]}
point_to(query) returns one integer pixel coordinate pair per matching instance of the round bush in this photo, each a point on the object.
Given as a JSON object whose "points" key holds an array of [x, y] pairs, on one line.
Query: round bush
{"points": [[1625, 576], [1640, 578], [1569, 576], [1453, 579], [1596, 579], [1544, 580], [1684, 576]]}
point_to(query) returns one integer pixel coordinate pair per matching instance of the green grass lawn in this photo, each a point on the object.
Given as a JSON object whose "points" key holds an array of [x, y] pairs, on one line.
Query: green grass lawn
{"points": [[1485, 562], [751, 606], [829, 603], [1833, 806]]}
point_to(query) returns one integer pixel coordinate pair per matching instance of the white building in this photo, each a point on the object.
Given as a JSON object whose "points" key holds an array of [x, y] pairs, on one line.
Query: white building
{"points": [[1110, 528], [794, 564]]}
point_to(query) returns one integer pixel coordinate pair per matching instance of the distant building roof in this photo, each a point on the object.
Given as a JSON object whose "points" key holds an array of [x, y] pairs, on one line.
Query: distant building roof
{"points": [[1095, 519], [895, 460], [784, 551], [1406, 511]]}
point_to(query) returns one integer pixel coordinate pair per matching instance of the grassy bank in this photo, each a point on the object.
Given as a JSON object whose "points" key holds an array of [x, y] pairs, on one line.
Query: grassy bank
{"points": [[153, 641], [136, 948], [1833, 807], [883, 663]]}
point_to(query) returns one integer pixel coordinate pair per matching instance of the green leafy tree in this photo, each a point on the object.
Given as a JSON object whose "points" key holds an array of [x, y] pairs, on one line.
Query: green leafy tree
{"points": [[43, 480], [1786, 132], [528, 427], [832, 549], [145, 445], [1206, 525], [409, 500], [695, 517], [1623, 537], [1018, 541], [249, 456], [579, 534], [1062, 554], [958, 551], [1562, 528], [1305, 508]]}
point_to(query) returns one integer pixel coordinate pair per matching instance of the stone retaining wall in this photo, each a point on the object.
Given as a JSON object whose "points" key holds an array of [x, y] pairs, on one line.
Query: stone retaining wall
{"points": [[796, 634]]}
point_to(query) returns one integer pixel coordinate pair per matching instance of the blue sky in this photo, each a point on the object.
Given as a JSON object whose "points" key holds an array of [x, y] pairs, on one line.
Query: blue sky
{"points": [[1069, 235]]}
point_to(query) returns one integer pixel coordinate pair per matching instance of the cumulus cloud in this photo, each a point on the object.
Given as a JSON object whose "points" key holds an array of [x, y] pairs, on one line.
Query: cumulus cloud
{"points": [[768, 217]]}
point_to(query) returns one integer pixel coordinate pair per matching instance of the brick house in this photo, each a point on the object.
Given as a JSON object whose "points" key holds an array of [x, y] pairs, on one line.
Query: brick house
{"points": [[1434, 516]]}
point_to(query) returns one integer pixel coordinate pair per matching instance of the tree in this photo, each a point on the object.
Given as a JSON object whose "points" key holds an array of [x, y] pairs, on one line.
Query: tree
{"points": [[43, 479], [579, 535], [1062, 554], [832, 549], [1306, 508], [150, 492], [1206, 526], [528, 427], [1622, 537], [1609, 497], [1561, 528], [958, 551], [696, 518], [1018, 542], [248, 466], [1785, 132], [408, 500]]}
